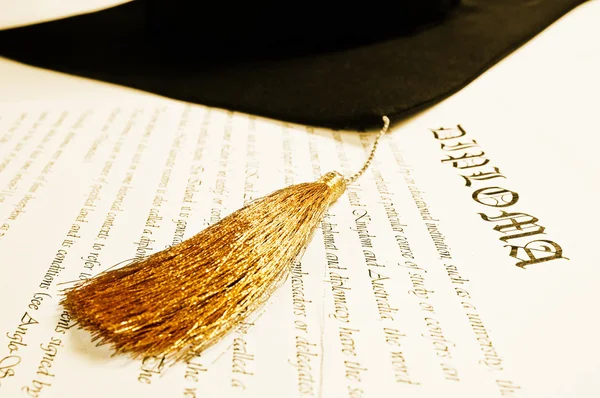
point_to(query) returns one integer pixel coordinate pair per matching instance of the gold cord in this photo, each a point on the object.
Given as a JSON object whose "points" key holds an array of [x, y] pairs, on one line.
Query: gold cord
{"points": [[384, 129]]}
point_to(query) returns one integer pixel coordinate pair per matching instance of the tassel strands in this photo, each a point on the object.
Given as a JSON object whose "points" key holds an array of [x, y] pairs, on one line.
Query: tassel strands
{"points": [[180, 301]]}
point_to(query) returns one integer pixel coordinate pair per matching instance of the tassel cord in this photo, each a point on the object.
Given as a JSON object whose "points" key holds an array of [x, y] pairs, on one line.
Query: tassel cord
{"points": [[367, 163]]}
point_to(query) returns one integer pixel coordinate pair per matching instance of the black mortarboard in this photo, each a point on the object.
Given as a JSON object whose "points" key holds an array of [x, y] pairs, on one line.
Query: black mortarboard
{"points": [[333, 64]]}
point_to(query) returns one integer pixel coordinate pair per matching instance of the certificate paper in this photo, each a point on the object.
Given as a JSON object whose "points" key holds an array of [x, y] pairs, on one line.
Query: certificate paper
{"points": [[462, 263]]}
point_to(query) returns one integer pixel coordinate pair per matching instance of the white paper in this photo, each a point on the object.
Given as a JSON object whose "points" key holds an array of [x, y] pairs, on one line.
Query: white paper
{"points": [[405, 290], [15, 13]]}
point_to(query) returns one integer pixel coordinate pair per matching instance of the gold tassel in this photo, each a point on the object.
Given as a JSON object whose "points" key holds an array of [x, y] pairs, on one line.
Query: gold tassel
{"points": [[180, 301]]}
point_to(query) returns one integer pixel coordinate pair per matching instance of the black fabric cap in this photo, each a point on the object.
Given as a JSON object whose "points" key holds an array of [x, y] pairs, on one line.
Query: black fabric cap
{"points": [[327, 64]]}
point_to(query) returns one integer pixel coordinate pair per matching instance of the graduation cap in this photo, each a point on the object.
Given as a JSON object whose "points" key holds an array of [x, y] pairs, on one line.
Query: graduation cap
{"points": [[331, 64]]}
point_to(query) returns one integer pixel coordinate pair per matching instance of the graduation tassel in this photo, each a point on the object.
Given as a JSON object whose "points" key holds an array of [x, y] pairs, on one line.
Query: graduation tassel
{"points": [[180, 301]]}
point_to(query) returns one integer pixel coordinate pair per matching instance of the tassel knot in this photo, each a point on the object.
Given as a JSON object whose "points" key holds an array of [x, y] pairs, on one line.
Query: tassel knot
{"points": [[336, 182]]}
